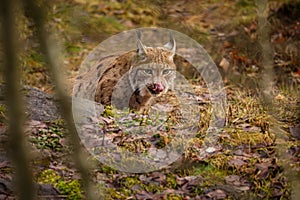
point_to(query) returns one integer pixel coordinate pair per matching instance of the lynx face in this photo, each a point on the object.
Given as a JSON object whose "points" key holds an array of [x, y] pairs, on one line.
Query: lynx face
{"points": [[156, 77], [155, 70]]}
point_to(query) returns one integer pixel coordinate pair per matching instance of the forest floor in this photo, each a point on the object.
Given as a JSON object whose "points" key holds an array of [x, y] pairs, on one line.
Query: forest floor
{"points": [[256, 154]]}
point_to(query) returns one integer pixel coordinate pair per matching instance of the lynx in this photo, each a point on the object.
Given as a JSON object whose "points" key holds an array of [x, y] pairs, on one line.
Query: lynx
{"points": [[132, 79]]}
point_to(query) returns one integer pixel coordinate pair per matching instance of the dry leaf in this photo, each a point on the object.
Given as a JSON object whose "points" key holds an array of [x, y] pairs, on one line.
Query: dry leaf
{"points": [[224, 64]]}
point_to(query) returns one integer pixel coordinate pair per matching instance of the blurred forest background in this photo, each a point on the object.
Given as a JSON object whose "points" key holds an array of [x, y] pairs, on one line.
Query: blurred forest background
{"points": [[255, 45]]}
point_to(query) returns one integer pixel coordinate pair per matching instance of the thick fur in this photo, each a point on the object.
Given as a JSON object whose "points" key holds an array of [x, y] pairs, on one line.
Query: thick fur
{"points": [[129, 80]]}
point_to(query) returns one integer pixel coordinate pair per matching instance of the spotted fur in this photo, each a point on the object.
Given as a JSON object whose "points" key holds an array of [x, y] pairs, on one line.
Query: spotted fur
{"points": [[132, 79]]}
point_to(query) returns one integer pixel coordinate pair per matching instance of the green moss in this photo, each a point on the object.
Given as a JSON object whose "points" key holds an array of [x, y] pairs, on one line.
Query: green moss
{"points": [[246, 9], [124, 191], [174, 197], [210, 173], [131, 181], [108, 111], [209, 170], [70, 188], [114, 194], [72, 49], [151, 187], [220, 161], [171, 181], [48, 176], [239, 137], [108, 170]]}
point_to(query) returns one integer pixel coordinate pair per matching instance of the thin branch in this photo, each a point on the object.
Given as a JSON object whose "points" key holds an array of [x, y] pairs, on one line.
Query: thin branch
{"points": [[266, 84], [51, 54], [24, 184]]}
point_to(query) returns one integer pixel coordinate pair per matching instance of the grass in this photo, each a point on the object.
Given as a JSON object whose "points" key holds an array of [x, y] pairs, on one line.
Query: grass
{"points": [[287, 104], [248, 125], [80, 25], [209, 170], [248, 128]]}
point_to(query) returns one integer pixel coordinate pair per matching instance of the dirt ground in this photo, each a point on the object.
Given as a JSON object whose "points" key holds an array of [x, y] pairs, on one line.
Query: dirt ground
{"points": [[255, 154]]}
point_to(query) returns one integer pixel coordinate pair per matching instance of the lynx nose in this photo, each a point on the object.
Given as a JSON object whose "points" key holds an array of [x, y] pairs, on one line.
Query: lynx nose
{"points": [[158, 87]]}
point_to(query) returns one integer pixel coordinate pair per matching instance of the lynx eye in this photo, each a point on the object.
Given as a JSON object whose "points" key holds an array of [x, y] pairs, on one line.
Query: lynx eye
{"points": [[148, 71], [166, 71]]}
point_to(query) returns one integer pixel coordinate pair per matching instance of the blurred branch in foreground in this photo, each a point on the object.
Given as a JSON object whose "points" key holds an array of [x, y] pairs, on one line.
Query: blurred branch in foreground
{"points": [[52, 57], [267, 91], [23, 176]]}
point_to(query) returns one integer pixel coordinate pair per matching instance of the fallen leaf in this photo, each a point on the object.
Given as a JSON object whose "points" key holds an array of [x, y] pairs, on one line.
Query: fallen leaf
{"points": [[233, 179], [298, 73], [237, 161], [192, 183], [158, 177], [217, 194], [143, 195]]}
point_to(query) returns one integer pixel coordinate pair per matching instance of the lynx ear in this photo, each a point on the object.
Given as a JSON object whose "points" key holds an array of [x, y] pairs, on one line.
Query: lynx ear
{"points": [[171, 45], [140, 47]]}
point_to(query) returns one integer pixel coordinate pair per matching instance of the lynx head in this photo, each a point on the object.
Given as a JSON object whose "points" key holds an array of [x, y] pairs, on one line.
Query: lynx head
{"points": [[153, 69]]}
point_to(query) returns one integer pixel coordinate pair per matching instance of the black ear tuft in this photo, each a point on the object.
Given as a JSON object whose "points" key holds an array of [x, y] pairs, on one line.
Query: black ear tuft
{"points": [[139, 34], [140, 46], [171, 45]]}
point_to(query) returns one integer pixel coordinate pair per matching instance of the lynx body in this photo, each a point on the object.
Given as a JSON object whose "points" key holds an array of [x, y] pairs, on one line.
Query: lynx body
{"points": [[132, 79]]}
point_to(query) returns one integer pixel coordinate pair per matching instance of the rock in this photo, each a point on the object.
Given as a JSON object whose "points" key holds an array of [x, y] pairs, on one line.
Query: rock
{"points": [[47, 190], [39, 105]]}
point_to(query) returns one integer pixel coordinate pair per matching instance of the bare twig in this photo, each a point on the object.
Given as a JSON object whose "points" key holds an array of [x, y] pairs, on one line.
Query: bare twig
{"points": [[24, 184]]}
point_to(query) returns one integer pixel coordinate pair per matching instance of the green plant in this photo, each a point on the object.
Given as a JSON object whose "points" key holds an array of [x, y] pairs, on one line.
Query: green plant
{"points": [[70, 188], [49, 138]]}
